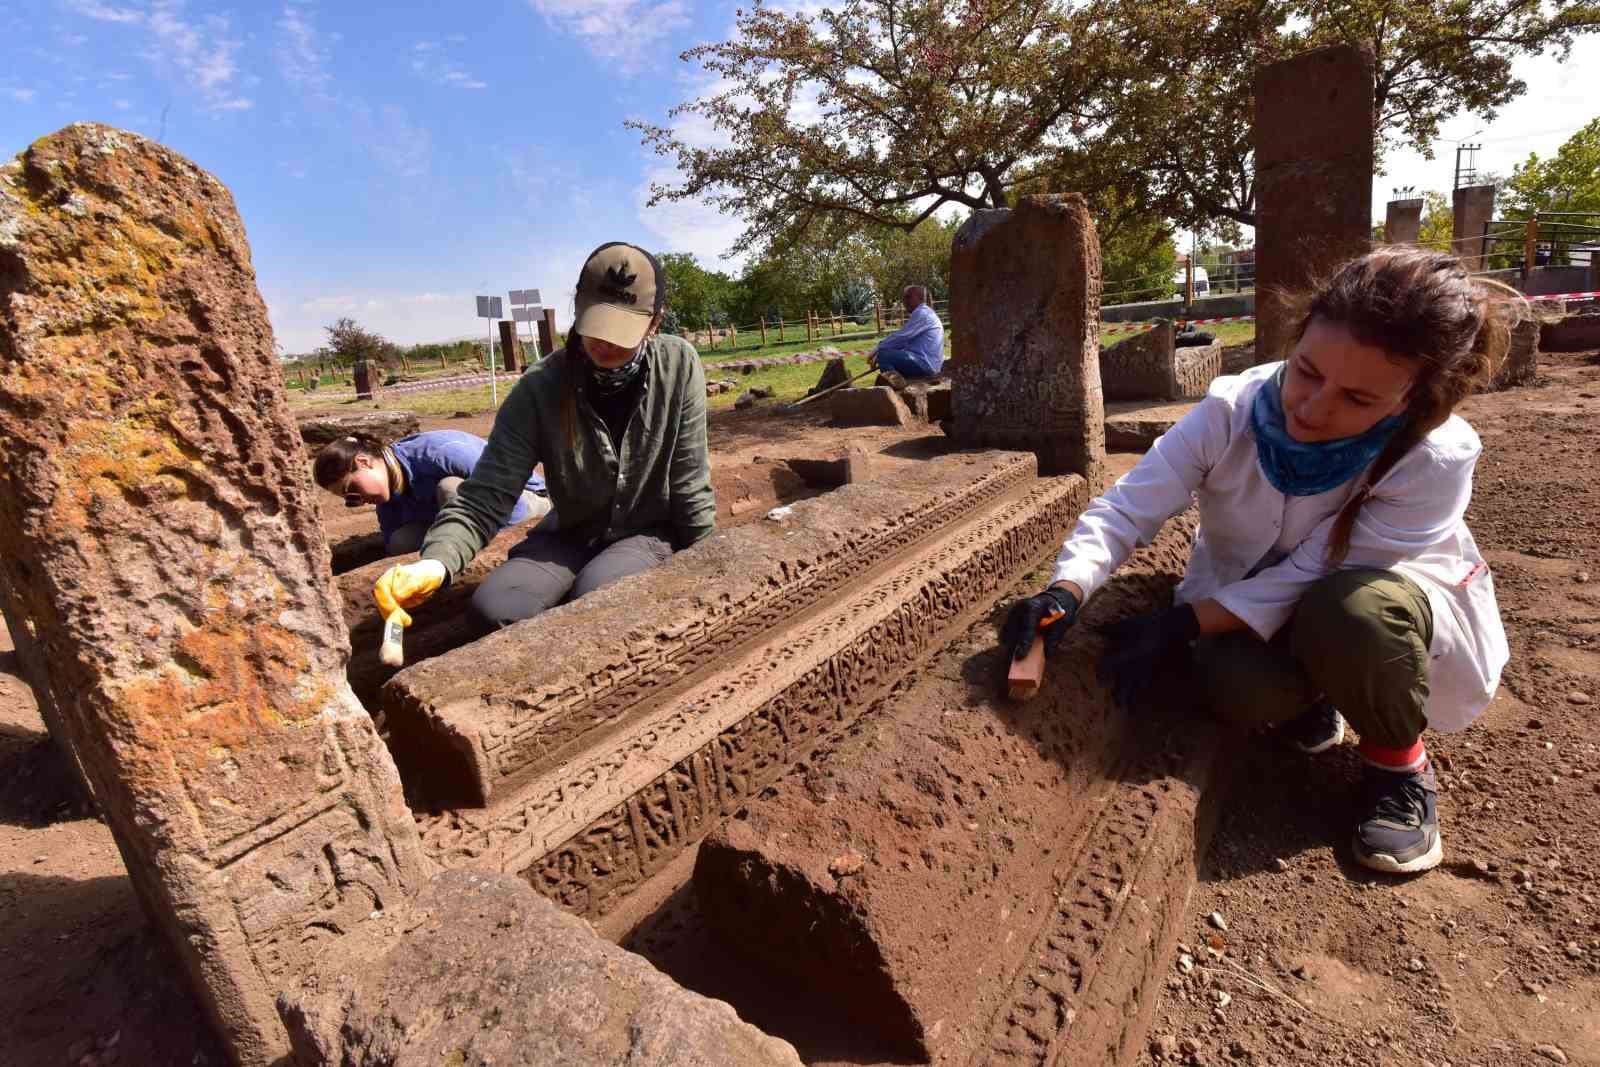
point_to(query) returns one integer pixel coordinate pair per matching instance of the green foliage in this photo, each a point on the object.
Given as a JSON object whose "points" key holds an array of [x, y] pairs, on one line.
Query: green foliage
{"points": [[696, 297], [348, 342], [1137, 259], [1438, 222], [878, 113], [1569, 181]]}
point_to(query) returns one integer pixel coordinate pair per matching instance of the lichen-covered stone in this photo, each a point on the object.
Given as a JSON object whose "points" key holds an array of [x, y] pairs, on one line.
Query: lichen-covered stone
{"points": [[159, 535], [484, 970]]}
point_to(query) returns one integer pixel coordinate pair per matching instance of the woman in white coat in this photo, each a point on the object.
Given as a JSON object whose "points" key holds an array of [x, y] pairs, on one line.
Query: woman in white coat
{"points": [[1333, 577]]}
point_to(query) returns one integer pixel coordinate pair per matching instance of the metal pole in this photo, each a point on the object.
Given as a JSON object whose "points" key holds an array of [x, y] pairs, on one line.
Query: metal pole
{"points": [[494, 385]]}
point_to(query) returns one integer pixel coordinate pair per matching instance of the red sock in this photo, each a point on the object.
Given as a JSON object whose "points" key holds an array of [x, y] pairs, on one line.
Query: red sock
{"points": [[1411, 758]]}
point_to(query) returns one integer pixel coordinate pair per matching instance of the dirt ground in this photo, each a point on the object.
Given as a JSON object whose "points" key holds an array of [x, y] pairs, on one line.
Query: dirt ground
{"points": [[1493, 959]]}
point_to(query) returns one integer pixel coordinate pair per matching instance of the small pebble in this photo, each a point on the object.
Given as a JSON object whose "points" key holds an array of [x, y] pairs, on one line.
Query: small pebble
{"points": [[1186, 963], [1224, 999], [1164, 1047], [1280, 865], [1577, 696], [1415, 964], [1574, 950], [40, 859], [1550, 1052], [1216, 920], [847, 863]]}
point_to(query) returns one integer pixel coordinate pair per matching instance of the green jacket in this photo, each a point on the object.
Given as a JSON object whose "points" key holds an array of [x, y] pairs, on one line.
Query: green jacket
{"points": [[662, 479]]}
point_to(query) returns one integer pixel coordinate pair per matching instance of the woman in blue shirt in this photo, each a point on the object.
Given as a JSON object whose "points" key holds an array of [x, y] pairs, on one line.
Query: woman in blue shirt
{"points": [[411, 480]]}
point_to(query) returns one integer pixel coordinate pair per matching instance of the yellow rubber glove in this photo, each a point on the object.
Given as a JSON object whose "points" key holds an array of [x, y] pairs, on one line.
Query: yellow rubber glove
{"points": [[405, 585]]}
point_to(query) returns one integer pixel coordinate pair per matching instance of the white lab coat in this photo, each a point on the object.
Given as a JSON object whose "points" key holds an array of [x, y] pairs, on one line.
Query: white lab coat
{"points": [[1411, 523]]}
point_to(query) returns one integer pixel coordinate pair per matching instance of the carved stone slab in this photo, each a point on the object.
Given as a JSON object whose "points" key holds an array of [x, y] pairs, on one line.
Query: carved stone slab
{"points": [[590, 829], [532, 696], [994, 884], [1025, 334], [159, 536]]}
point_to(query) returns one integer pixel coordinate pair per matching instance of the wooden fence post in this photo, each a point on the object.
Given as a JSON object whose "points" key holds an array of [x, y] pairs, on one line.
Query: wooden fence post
{"points": [[763, 331], [780, 329], [877, 315], [547, 332], [733, 337], [1530, 244]]}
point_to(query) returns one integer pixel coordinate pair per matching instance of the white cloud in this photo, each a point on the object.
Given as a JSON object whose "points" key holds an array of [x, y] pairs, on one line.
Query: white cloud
{"points": [[689, 225], [302, 57], [21, 96], [104, 12], [122, 105], [305, 60], [623, 31], [430, 64], [200, 52]]}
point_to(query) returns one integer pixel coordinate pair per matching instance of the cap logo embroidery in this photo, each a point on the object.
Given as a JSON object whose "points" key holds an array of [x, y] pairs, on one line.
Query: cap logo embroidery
{"points": [[615, 287]]}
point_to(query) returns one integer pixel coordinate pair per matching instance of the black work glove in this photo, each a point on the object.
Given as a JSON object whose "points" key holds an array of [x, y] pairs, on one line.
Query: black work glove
{"points": [[1022, 624], [1137, 648]]}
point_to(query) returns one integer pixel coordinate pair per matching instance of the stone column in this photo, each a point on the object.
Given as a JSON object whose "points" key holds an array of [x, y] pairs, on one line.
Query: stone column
{"points": [[1314, 146], [161, 539], [1474, 208], [361, 374], [1025, 334], [1402, 221]]}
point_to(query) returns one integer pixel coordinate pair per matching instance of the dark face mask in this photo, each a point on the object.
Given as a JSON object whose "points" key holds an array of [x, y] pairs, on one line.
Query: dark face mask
{"points": [[609, 381]]}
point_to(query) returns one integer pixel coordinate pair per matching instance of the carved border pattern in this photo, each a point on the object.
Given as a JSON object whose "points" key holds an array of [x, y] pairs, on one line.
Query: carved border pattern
{"points": [[1121, 851], [860, 648], [607, 697]]}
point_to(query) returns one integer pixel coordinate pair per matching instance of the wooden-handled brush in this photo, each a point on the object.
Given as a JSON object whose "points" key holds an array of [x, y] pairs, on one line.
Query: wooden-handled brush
{"points": [[393, 650], [1027, 672]]}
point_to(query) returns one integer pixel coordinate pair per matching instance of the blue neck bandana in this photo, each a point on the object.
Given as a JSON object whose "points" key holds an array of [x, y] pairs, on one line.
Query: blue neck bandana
{"points": [[1296, 468]]}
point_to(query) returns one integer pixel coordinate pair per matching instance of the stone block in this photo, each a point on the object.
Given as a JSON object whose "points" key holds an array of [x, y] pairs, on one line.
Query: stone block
{"points": [[1025, 334], [877, 406], [1473, 207], [684, 691], [1194, 369], [164, 547], [1140, 367], [1521, 364], [481, 970], [1133, 426], [386, 426], [1402, 221], [1573, 333], [928, 400], [1314, 156], [361, 376], [852, 463], [980, 881], [834, 374]]}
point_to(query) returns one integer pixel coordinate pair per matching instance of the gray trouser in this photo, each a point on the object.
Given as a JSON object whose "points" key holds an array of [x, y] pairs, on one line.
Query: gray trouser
{"points": [[546, 569], [408, 538]]}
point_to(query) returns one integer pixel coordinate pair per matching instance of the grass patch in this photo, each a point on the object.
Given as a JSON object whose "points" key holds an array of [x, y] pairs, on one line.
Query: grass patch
{"points": [[787, 383]]}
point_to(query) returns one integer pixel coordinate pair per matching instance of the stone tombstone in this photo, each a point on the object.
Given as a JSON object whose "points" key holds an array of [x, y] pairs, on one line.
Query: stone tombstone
{"points": [[1402, 221], [361, 374], [1314, 151], [1025, 334], [1474, 210], [159, 535]]}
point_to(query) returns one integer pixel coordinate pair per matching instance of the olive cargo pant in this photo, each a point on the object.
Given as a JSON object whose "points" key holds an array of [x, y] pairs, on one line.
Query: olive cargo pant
{"points": [[1358, 637]]}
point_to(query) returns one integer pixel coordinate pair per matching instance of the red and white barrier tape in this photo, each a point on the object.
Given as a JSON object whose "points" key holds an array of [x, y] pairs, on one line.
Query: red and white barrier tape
{"points": [[1564, 296]]}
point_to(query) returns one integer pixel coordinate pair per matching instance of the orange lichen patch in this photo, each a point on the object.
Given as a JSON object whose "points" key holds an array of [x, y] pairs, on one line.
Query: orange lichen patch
{"points": [[131, 456]]}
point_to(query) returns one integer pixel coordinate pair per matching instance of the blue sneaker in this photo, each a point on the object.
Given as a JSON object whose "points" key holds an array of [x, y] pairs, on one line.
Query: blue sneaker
{"points": [[1400, 831], [1316, 730]]}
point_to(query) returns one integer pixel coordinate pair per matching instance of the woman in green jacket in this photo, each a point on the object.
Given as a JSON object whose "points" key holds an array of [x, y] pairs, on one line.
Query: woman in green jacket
{"points": [[618, 418]]}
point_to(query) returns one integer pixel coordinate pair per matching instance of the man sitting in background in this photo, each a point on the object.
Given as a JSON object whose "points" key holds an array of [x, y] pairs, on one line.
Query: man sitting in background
{"points": [[916, 349]]}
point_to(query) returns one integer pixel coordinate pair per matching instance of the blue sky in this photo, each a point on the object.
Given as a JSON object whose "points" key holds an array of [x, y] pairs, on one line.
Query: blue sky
{"points": [[392, 160]]}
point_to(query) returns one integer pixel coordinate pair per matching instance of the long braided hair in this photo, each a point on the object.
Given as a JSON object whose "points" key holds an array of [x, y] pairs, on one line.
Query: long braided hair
{"points": [[1424, 309]]}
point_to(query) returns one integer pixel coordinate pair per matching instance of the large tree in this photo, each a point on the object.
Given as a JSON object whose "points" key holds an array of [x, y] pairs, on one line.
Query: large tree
{"points": [[880, 112], [1568, 181]]}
